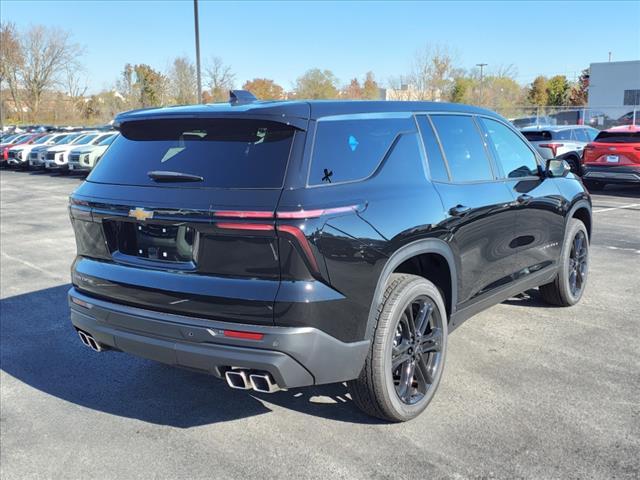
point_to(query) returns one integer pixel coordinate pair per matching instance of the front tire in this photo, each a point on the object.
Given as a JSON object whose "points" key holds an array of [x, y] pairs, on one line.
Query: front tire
{"points": [[406, 358], [567, 288]]}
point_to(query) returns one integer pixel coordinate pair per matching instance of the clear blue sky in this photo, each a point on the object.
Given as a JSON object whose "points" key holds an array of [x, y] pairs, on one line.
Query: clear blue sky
{"points": [[281, 40]]}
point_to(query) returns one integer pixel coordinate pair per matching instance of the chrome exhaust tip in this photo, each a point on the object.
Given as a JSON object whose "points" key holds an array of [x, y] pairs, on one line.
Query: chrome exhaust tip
{"points": [[263, 382], [237, 379], [89, 341]]}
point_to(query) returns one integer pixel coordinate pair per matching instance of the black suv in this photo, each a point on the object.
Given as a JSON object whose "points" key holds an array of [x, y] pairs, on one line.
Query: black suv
{"points": [[286, 244]]}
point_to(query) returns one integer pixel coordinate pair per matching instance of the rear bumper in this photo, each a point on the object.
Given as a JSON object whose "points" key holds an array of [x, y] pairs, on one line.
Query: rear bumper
{"points": [[612, 174], [295, 356]]}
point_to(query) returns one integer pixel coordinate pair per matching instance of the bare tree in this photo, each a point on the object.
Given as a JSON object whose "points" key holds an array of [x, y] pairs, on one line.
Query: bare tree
{"points": [[75, 84], [182, 80], [11, 63], [46, 53], [219, 78], [432, 74]]}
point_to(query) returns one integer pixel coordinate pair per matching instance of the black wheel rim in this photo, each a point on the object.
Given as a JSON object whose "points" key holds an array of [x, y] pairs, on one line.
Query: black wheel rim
{"points": [[578, 263], [416, 354]]}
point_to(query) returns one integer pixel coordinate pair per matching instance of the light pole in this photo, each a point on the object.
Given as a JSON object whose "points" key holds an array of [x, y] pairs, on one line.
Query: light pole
{"points": [[197, 29], [481, 65]]}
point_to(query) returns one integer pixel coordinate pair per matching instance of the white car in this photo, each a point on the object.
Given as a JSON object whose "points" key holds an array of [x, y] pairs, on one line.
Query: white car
{"points": [[19, 155], [37, 156], [57, 157], [83, 159]]}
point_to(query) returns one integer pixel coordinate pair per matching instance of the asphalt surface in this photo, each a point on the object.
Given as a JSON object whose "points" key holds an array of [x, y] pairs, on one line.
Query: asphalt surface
{"points": [[529, 391]]}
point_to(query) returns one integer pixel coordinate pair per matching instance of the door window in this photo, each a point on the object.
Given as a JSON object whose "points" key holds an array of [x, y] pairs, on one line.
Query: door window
{"points": [[514, 157], [437, 167], [463, 148]]}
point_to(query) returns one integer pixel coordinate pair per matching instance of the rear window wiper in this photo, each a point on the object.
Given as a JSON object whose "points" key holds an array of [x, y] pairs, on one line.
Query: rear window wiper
{"points": [[164, 176]]}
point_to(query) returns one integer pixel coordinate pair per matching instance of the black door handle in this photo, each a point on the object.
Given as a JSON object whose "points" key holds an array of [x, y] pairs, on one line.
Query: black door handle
{"points": [[459, 210], [524, 199]]}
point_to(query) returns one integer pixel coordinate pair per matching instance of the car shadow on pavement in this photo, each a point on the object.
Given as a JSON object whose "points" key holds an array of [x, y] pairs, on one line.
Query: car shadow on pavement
{"points": [[530, 298], [629, 191], [39, 347]]}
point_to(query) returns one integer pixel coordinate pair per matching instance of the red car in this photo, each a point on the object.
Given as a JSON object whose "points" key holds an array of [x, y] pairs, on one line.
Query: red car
{"points": [[612, 157], [19, 140]]}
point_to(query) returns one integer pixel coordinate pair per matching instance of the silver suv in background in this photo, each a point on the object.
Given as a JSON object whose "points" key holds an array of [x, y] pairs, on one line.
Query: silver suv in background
{"points": [[83, 159], [561, 141]]}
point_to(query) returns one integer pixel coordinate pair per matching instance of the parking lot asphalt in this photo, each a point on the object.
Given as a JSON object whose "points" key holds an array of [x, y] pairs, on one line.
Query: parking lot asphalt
{"points": [[529, 391]]}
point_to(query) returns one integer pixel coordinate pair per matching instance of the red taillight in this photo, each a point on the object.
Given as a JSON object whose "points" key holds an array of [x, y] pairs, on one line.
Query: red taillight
{"points": [[553, 146], [262, 227], [244, 214], [303, 242], [243, 335], [300, 214]]}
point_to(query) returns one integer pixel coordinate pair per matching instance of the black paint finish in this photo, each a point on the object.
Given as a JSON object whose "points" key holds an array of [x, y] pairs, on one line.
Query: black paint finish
{"points": [[493, 236]]}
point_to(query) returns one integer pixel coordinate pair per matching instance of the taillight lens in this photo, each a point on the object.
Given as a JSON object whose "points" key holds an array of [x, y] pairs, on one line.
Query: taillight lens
{"points": [[553, 146]]}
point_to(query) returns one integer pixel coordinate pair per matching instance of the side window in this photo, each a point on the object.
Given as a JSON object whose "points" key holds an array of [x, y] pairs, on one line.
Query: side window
{"points": [[581, 135], [513, 155], [437, 167], [463, 148], [351, 149], [592, 133], [562, 135]]}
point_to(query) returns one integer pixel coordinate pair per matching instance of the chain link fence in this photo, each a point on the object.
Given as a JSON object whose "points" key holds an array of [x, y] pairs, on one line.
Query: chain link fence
{"points": [[601, 117]]}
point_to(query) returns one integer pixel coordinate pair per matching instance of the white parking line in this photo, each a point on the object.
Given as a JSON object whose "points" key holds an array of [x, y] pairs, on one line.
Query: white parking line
{"points": [[31, 265], [631, 205]]}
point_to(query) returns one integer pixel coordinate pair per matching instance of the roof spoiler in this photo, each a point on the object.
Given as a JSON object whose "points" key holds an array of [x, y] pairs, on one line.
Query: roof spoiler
{"points": [[241, 97]]}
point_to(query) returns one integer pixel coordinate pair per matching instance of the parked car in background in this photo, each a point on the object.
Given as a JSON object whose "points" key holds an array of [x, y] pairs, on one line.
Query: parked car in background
{"points": [[613, 157], [276, 267], [83, 159], [558, 141], [532, 121], [629, 118], [37, 156], [25, 139], [57, 157], [581, 116], [19, 155]]}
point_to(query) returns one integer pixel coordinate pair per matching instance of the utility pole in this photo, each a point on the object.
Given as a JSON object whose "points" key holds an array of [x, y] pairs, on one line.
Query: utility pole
{"points": [[197, 29], [609, 57], [481, 65]]}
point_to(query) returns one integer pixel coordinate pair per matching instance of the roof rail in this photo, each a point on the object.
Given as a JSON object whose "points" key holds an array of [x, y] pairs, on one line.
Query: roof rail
{"points": [[241, 97]]}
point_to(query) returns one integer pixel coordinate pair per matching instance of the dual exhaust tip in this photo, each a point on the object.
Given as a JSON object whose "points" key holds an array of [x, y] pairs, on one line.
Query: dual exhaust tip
{"points": [[90, 342], [243, 380]]}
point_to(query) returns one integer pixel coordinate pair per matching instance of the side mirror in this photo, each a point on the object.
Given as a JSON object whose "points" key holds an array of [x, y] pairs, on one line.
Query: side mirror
{"points": [[556, 167]]}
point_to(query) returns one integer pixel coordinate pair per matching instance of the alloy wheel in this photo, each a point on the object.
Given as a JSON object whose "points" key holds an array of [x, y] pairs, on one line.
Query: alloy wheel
{"points": [[578, 263], [416, 354]]}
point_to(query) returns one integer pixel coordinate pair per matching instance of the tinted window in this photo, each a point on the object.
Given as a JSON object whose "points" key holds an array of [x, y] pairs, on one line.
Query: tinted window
{"points": [[226, 153], [562, 135], [592, 133], [537, 135], [513, 155], [351, 149], [463, 148], [618, 137], [581, 135], [437, 166]]}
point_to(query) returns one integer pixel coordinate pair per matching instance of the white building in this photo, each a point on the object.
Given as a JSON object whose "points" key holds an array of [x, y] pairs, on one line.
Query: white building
{"points": [[614, 87]]}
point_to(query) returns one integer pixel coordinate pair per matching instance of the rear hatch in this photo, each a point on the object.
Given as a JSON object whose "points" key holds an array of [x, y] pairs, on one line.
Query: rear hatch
{"points": [[163, 220], [613, 149]]}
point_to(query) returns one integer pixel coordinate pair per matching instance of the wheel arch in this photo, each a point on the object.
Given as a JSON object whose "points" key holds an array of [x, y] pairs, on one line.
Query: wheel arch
{"points": [[582, 211], [406, 253]]}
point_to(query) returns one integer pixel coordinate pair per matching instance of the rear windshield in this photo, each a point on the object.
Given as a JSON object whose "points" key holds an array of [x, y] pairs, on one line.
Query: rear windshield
{"points": [[618, 137], [226, 153], [537, 136]]}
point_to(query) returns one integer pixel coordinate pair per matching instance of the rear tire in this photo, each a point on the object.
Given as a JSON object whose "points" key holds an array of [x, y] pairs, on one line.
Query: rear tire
{"points": [[568, 286], [406, 358]]}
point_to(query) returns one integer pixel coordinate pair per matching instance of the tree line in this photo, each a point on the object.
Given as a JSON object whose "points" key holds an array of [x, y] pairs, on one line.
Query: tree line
{"points": [[43, 80]]}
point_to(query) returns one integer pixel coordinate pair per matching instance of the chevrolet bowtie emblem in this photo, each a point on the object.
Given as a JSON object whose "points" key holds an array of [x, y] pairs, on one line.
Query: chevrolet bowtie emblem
{"points": [[141, 214]]}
